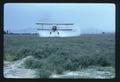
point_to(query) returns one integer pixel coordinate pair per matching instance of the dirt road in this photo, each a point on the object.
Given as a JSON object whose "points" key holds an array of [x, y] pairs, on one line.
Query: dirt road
{"points": [[16, 70]]}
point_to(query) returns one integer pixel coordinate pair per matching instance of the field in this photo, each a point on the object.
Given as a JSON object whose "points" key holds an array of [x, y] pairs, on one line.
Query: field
{"points": [[57, 55]]}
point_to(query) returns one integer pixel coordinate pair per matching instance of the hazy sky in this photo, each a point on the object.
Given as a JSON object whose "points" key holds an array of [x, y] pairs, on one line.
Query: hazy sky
{"points": [[89, 18]]}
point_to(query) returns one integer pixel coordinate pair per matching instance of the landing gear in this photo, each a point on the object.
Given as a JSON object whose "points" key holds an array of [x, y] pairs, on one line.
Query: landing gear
{"points": [[51, 33], [58, 33]]}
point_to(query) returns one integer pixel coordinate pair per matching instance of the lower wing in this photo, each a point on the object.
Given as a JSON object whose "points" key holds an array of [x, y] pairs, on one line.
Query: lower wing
{"points": [[64, 29], [57, 29], [44, 29]]}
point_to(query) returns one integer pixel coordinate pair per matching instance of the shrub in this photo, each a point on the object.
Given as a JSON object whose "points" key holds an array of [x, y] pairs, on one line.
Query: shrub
{"points": [[102, 60], [58, 54], [20, 53], [43, 73], [10, 57], [43, 52], [34, 63]]}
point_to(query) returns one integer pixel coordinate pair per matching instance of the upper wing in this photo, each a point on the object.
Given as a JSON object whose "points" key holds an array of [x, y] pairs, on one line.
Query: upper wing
{"points": [[54, 23]]}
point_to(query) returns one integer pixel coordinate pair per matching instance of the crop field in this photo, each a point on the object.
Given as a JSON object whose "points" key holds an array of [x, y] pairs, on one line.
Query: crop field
{"points": [[54, 55]]}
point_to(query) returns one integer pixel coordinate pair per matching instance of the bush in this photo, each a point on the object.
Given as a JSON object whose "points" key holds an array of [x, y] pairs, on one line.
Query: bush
{"points": [[20, 53], [103, 60], [61, 54], [34, 63], [10, 57], [43, 73], [43, 52]]}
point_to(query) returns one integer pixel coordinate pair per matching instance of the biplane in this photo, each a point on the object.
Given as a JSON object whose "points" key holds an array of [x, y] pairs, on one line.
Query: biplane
{"points": [[55, 27]]}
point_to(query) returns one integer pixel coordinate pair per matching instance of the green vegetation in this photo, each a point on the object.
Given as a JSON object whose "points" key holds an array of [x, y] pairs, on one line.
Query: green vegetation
{"points": [[43, 73], [56, 55]]}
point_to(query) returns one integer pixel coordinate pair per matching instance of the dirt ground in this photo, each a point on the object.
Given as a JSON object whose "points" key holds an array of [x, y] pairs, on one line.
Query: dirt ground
{"points": [[92, 72], [16, 70]]}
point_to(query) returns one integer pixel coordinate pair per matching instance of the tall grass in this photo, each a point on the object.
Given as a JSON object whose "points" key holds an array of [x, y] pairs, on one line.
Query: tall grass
{"points": [[60, 54]]}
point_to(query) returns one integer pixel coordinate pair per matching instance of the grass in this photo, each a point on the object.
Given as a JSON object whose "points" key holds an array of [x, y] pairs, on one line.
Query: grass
{"points": [[60, 54], [43, 73]]}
